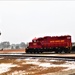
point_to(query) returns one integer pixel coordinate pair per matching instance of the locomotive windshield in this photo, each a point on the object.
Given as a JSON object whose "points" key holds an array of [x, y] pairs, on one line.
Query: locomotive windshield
{"points": [[34, 40]]}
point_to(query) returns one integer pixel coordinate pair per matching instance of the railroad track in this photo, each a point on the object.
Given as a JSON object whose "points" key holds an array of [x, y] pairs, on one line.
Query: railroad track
{"points": [[70, 57]]}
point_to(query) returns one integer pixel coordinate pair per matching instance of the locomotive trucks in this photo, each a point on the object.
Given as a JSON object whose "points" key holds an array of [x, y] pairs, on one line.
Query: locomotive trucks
{"points": [[57, 44]]}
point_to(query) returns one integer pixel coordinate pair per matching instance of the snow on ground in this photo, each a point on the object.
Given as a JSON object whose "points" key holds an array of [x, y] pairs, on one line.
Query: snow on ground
{"points": [[5, 67], [19, 73], [40, 62], [11, 54], [69, 64], [2, 58]]}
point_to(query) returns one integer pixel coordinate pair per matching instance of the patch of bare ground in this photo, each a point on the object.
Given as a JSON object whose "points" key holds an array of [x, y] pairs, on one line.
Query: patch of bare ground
{"points": [[13, 51], [34, 70], [13, 61], [72, 74], [18, 68], [58, 62], [68, 72], [50, 70], [29, 69], [7, 61]]}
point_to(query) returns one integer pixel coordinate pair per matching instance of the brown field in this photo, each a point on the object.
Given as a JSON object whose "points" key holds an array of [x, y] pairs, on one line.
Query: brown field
{"points": [[13, 51], [38, 66], [27, 67]]}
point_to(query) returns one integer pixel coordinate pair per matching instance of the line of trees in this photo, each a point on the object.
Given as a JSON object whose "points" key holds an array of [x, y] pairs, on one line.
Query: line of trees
{"points": [[7, 45]]}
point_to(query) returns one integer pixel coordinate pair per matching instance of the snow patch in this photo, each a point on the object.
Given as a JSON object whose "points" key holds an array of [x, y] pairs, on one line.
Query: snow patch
{"points": [[11, 54], [45, 64], [2, 58], [68, 64], [5, 67], [22, 73], [34, 63], [18, 60]]}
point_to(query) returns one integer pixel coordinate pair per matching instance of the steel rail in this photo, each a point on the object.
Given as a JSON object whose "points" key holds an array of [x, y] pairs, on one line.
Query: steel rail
{"points": [[23, 56]]}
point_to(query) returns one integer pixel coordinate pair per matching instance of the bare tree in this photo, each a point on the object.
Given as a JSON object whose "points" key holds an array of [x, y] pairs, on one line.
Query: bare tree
{"points": [[22, 45], [5, 44]]}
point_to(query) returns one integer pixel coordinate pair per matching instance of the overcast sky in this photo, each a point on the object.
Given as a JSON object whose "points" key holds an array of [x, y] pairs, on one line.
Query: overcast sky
{"points": [[21, 21]]}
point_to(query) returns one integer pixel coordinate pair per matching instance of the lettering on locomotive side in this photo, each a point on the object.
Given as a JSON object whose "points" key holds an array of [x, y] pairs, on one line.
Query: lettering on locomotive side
{"points": [[57, 41], [62, 40], [51, 41]]}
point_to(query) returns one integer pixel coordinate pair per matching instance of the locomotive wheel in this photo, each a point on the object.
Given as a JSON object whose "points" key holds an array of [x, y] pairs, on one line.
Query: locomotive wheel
{"points": [[60, 51], [66, 51], [56, 51]]}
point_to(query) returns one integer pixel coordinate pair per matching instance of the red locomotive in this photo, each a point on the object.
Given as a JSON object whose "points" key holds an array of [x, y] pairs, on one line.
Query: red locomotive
{"points": [[57, 44]]}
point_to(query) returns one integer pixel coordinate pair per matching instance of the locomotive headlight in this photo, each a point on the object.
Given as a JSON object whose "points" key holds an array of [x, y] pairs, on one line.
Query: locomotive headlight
{"points": [[68, 37], [34, 43]]}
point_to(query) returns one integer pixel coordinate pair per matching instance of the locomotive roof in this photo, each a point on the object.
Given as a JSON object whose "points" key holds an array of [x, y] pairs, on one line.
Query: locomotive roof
{"points": [[40, 38], [56, 36]]}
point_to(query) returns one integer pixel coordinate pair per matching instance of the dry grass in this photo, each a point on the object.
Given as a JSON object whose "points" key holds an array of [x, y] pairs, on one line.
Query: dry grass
{"points": [[35, 69], [51, 70], [7, 61], [18, 68], [58, 62], [30, 69], [42, 60], [13, 51], [53, 62]]}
